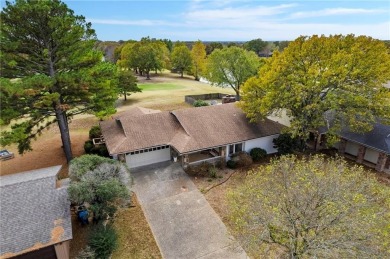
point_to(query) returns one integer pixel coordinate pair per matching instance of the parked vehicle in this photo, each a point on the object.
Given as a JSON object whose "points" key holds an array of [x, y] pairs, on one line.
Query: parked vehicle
{"points": [[5, 154]]}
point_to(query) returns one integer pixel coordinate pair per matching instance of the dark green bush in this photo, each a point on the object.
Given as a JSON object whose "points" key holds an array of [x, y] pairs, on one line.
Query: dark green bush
{"points": [[92, 149], [103, 240], [286, 144], [199, 103], [231, 164], [101, 150], [257, 154], [95, 132], [88, 146]]}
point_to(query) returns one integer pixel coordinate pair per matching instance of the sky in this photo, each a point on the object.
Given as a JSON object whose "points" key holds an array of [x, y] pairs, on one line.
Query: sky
{"points": [[233, 20]]}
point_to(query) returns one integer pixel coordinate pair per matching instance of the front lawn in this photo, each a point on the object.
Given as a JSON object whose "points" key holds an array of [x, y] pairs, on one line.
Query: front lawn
{"points": [[134, 235]]}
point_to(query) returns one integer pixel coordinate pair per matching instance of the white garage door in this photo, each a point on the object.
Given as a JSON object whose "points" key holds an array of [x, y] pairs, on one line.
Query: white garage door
{"points": [[148, 156]]}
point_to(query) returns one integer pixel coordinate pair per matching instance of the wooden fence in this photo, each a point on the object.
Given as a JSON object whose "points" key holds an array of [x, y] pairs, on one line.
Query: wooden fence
{"points": [[190, 99]]}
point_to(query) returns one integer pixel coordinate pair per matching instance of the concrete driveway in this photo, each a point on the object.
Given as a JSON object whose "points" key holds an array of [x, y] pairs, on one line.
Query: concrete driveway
{"points": [[182, 221]]}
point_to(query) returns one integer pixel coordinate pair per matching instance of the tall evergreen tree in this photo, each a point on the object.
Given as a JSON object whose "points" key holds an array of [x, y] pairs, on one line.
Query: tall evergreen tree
{"points": [[50, 50]]}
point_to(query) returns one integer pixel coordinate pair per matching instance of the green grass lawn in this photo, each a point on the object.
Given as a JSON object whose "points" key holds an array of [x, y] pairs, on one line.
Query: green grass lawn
{"points": [[160, 87], [166, 92]]}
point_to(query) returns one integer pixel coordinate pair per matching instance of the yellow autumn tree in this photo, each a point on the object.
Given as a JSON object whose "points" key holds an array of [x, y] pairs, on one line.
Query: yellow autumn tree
{"points": [[311, 208], [334, 81], [198, 53]]}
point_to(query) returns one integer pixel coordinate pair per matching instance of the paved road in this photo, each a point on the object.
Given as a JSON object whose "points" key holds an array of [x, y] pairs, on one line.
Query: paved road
{"points": [[182, 221]]}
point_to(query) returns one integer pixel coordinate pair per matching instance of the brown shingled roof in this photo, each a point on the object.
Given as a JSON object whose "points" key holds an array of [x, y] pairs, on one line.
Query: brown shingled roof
{"points": [[136, 111], [128, 133], [186, 130], [218, 125]]}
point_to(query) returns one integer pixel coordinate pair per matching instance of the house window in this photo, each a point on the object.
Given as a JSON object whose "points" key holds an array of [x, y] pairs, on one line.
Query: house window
{"points": [[236, 148], [231, 149]]}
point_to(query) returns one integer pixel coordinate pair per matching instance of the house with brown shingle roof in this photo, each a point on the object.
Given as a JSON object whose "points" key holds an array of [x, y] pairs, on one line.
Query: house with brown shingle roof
{"points": [[190, 136]]}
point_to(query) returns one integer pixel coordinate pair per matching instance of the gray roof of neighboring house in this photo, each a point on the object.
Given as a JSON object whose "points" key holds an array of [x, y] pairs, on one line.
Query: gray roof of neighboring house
{"points": [[186, 130], [378, 138], [34, 211]]}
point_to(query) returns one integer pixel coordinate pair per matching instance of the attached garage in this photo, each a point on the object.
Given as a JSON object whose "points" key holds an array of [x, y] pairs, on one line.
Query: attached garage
{"points": [[352, 148], [148, 156], [371, 156]]}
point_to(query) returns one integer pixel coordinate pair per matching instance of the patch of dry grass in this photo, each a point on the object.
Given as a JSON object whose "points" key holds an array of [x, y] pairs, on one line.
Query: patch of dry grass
{"points": [[217, 196], [135, 237]]}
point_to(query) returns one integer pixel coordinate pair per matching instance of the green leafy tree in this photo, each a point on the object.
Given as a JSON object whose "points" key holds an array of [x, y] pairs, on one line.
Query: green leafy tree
{"points": [[181, 58], [169, 44], [256, 45], [281, 45], [231, 67], [198, 54], [311, 208], [144, 56], [332, 82], [51, 52], [210, 47], [129, 58], [286, 144], [127, 83], [150, 56], [118, 49], [101, 182], [233, 44]]}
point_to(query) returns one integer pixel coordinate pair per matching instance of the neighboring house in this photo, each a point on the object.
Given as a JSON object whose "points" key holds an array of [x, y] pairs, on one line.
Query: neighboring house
{"points": [[190, 136], [35, 217], [371, 148]]}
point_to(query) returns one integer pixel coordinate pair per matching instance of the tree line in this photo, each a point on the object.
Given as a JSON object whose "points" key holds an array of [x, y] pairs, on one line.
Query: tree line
{"points": [[52, 69]]}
